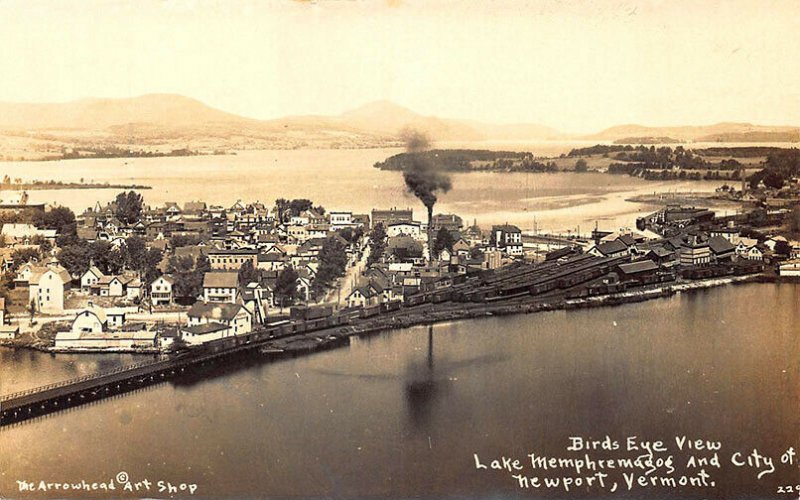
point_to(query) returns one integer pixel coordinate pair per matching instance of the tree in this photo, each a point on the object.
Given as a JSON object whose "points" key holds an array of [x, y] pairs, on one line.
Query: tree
{"points": [[794, 221], [43, 243], [282, 207], [475, 253], [286, 286], [184, 240], [444, 239], [404, 253], [152, 260], [350, 234], [23, 255], [188, 274], [116, 261], [129, 207], [581, 166], [62, 219], [32, 309], [332, 263], [783, 248], [773, 180], [75, 259], [377, 244], [100, 254], [248, 274], [297, 206], [134, 253]]}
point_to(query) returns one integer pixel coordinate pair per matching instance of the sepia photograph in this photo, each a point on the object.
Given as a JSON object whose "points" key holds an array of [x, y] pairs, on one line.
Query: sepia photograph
{"points": [[344, 249]]}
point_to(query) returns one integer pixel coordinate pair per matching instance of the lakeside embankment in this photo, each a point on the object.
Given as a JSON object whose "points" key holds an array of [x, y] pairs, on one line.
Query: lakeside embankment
{"points": [[445, 312]]}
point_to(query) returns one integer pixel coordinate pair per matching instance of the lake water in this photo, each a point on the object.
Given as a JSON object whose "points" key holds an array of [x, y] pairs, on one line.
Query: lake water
{"points": [[346, 179], [381, 417]]}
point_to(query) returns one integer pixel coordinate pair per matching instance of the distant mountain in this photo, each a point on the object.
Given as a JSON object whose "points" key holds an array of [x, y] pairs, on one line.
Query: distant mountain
{"points": [[164, 123], [98, 114], [389, 118], [720, 132]]}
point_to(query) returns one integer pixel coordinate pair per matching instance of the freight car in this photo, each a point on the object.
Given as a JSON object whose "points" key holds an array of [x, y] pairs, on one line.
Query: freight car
{"points": [[306, 313]]}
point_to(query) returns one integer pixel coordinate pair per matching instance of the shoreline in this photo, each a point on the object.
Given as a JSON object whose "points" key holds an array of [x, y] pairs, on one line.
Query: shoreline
{"points": [[448, 311], [56, 186]]}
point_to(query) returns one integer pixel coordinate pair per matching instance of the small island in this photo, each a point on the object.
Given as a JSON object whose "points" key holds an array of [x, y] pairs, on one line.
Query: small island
{"points": [[771, 165]]}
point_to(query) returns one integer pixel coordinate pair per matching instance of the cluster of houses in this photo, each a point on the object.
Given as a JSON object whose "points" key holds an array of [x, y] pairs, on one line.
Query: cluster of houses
{"points": [[691, 248], [253, 235]]}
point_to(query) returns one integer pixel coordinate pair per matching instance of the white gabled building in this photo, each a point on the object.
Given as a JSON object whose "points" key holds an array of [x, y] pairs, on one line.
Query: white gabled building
{"points": [[220, 286], [161, 290], [507, 238], [405, 228], [48, 288], [211, 321], [92, 331], [91, 277]]}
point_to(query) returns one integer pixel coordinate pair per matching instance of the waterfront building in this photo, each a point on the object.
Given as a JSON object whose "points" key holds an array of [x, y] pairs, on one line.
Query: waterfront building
{"points": [[722, 250], [789, 268], [612, 249], [694, 252], [7, 332], [747, 248], [95, 328], [211, 321]]}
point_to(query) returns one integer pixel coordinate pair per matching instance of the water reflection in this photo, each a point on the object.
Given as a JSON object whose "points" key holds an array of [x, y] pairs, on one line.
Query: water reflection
{"points": [[400, 414]]}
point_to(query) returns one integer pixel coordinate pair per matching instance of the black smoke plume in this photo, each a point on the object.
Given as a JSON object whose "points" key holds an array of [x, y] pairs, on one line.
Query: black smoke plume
{"points": [[422, 177]]}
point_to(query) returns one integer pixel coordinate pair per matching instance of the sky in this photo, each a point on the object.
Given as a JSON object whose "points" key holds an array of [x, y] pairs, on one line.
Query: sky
{"points": [[576, 66]]}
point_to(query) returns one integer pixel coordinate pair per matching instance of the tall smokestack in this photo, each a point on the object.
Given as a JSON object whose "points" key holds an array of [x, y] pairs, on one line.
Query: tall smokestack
{"points": [[423, 178]]}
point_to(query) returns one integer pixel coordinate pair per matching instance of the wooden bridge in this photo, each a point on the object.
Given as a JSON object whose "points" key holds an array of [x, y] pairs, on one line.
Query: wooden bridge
{"points": [[37, 401]]}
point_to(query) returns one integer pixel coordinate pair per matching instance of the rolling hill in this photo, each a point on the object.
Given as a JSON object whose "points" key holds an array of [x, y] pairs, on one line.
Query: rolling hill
{"points": [[720, 132], [168, 122]]}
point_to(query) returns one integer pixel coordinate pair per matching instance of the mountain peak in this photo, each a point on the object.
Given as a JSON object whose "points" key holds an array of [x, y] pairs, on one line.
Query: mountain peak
{"points": [[377, 108]]}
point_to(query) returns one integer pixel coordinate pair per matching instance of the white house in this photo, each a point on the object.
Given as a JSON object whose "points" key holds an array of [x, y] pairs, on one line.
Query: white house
{"points": [[90, 278], [133, 289], [220, 286], [211, 321], [111, 286], [341, 219], [403, 228], [363, 296], [303, 288], [25, 271], [748, 249], [161, 290], [115, 317]]}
